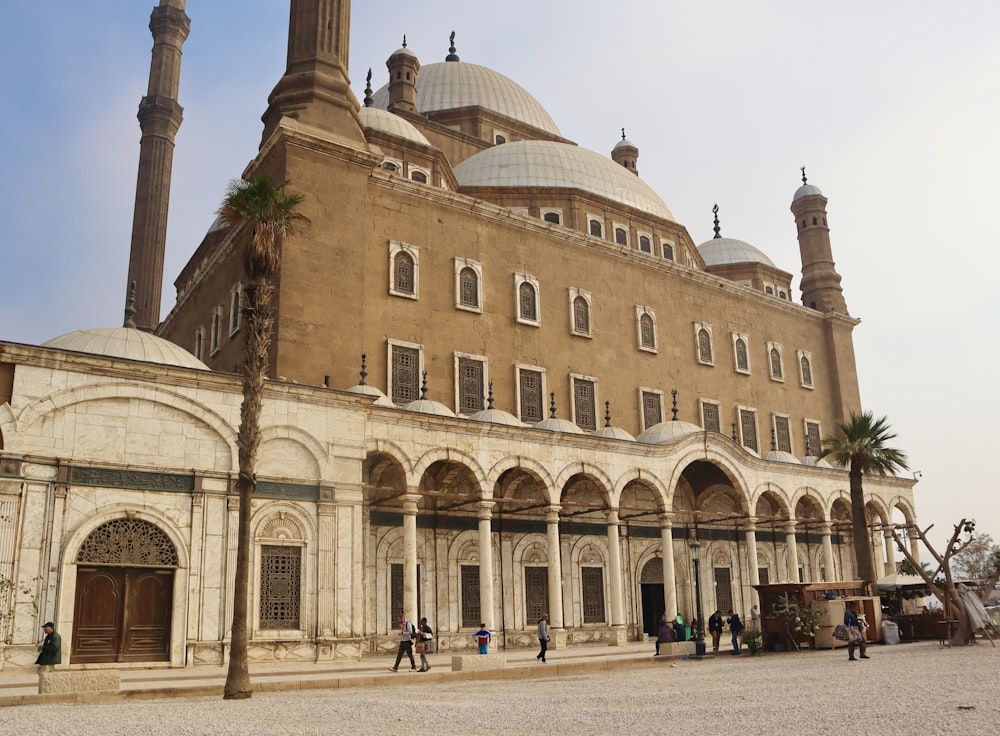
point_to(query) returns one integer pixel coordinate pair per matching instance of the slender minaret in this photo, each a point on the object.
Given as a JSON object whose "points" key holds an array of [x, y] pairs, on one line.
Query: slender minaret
{"points": [[626, 153], [315, 88], [403, 66], [820, 280], [159, 118]]}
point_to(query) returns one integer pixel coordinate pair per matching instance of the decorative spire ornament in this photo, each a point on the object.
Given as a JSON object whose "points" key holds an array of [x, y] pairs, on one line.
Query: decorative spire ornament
{"points": [[452, 56], [369, 100], [718, 230], [364, 371]]}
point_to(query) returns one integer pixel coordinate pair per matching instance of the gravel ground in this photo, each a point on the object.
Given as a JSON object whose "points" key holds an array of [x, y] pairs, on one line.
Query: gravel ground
{"points": [[909, 689]]}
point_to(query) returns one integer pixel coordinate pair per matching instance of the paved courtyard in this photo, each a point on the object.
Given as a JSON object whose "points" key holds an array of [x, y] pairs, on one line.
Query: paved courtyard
{"points": [[920, 688]]}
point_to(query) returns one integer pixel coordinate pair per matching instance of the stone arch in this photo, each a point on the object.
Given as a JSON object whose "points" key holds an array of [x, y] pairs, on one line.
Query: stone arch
{"points": [[449, 457], [526, 465], [637, 489], [383, 447], [584, 469], [304, 452], [522, 491], [711, 448]]}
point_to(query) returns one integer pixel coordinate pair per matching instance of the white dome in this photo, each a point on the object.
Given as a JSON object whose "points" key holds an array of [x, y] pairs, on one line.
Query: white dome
{"points": [[554, 424], [614, 433], [426, 406], [806, 190], [817, 462], [366, 390], [385, 121], [719, 251], [664, 432], [497, 416], [128, 343], [550, 164], [450, 85], [778, 456]]}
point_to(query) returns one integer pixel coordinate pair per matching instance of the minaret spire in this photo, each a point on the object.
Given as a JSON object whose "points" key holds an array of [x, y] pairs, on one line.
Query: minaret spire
{"points": [[159, 118], [820, 282]]}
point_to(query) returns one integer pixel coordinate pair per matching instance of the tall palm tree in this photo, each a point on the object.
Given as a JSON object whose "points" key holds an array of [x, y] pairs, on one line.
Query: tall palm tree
{"points": [[864, 450], [271, 213]]}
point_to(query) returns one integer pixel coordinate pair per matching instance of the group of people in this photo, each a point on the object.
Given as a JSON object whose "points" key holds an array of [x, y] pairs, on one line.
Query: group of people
{"points": [[423, 636], [671, 631]]}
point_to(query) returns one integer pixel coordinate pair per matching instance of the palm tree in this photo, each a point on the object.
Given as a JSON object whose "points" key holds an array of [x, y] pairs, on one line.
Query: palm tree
{"points": [[863, 449], [270, 213]]}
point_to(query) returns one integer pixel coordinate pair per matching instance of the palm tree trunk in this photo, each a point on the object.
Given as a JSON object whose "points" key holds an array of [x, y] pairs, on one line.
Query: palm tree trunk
{"points": [[859, 529], [255, 364]]}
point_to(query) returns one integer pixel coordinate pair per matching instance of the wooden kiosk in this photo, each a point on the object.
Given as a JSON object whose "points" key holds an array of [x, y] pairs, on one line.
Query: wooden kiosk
{"points": [[832, 598]]}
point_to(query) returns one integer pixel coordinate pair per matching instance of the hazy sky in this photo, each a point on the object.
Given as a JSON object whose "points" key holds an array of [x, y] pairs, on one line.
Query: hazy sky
{"points": [[893, 107]]}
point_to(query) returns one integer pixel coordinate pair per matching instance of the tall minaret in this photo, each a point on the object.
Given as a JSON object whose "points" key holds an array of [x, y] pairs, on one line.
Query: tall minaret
{"points": [[315, 88], [159, 118], [820, 280]]}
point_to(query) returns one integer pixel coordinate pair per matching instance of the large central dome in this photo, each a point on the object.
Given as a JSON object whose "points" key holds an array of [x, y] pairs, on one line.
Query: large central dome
{"points": [[526, 164], [449, 85]]}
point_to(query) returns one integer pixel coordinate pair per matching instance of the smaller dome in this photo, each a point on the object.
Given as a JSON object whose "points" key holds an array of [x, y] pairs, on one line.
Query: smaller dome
{"points": [[554, 424], [806, 190], [385, 121], [365, 390], [614, 433], [496, 416], [403, 51], [816, 462], [720, 251], [625, 143], [778, 456], [665, 432], [426, 406], [128, 343]]}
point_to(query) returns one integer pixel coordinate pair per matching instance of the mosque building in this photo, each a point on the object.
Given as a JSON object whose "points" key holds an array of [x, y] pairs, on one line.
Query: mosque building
{"points": [[504, 381]]}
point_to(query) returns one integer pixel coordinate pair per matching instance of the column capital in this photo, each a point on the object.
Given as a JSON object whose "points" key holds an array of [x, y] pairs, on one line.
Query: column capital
{"points": [[666, 519], [486, 509], [410, 501], [750, 524], [552, 513], [612, 517], [826, 528], [790, 526]]}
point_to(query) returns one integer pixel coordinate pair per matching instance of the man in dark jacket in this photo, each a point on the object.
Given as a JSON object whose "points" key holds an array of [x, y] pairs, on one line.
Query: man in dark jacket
{"points": [[715, 629], [50, 650]]}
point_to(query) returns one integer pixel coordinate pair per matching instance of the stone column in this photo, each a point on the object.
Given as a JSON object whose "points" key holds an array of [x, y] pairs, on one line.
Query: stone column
{"points": [[410, 501], [890, 552], [555, 568], [232, 529], [486, 562], [751, 539], [618, 633], [327, 604], [792, 552], [669, 579], [915, 545], [826, 530]]}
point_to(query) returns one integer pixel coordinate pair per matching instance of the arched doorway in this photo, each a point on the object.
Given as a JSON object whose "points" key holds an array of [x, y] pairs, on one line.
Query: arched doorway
{"points": [[651, 583], [124, 594]]}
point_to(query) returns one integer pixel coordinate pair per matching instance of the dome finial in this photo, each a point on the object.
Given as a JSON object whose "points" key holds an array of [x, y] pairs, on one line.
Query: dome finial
{"points": [[774, 445], [808, 449], [423, 387], [489, 399], [552, 404], [803, 170], [369, 100], [607, 413], [718, 230], [404, 40], [452, 56], [673, 394], [734, 433], [364, 371], [130, 308], [623, 133]]}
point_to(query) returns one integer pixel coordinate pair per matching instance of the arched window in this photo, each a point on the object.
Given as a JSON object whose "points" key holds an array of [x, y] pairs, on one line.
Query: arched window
{"points": [[468, 287], [216, 329], [552, 217], [235, 307], [806, 368], [596, 229], [742, 357], [769, 290], [199, 342], [581, 315], [418, 176], [704, 346], [621, 236], [390, 166], [668, 251], [527, 302], [775, 356], [647, 333], [403, 271], [644, 244]]}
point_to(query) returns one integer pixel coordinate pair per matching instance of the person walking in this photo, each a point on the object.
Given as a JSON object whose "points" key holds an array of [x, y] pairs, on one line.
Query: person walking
{"points": [[543, 637], [664, 634], [407, 632], [482, 639], [715, 629], [50, 650], [856, 626], [425, 644], [736, 628]]}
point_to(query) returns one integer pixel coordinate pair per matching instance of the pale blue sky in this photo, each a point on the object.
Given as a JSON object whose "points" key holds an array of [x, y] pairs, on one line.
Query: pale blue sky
{"points": [[893, 107]]}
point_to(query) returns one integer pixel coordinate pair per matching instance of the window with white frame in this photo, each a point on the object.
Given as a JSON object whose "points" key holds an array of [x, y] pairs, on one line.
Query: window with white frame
{"points": [[782, 432], [531, 393], [768, 289], [741, 353], [595, 226], [421, 176], [621, 234], [405, 365], [235, 308], [529, 310], [651, 404], [468, 285], [404, 270], [668, 250], [580, 312], [703, 343], [805, 368], [645, 243], [552, 215], [584, 401], [216, 333], [748, 428], [711, 415], [813, 433], [394, 166], [645, 322], [499, 137], [775, 362], [199, 343], [470, 383]]}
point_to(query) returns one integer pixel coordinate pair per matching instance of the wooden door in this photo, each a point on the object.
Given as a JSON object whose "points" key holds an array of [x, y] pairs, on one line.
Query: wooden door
{"points": [[122, 615]]}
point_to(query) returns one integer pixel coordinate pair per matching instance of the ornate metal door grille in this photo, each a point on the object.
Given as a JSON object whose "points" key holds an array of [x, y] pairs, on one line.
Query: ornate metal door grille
{"points": [[526, 298], [280, 586], [583, 397], [470, 287], [815, 444], [652, 409], [403, 277], [723, 589], [130, 543], [748, 425], [783, 437], [592, 583]]}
